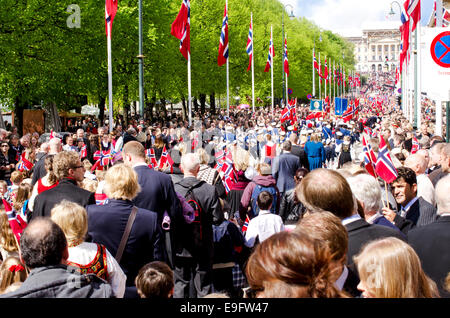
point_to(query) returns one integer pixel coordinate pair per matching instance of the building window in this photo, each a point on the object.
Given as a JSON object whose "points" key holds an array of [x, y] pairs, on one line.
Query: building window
{"points": [[380, 68]]}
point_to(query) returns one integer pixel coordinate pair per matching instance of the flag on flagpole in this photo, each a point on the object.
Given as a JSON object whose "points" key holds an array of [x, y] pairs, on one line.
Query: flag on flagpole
{"points": [[385, 167], [286, 62], [223, 44], [316, 66], [369, 157], [150, 153], [250, 46], [83, 152], [325, 72], [102, 157], [110, 13], [404, 30], [24, 164], [270, 56], [413, 12], [181, 28]]}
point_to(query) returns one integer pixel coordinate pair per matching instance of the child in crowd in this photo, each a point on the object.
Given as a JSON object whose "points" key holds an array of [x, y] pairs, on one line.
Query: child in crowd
{"points": [[265, 224], [16, 179], [4, 190], [155, 280], [8, 244], [12, 272]]}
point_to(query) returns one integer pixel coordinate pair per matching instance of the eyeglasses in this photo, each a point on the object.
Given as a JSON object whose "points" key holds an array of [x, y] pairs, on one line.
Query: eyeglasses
{"points": [[5, 146]]}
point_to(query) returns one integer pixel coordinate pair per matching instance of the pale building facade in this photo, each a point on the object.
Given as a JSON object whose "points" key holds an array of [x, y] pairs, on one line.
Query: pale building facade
{"points": [[377, 50]]}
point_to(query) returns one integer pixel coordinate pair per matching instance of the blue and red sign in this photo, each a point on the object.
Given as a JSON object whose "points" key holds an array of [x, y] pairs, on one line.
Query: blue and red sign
{"points": [[440, 49], [290, 91]]}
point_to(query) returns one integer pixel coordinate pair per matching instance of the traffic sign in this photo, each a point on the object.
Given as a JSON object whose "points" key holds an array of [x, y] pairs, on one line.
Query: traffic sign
{"points": [[290, 91], [440, 49]]}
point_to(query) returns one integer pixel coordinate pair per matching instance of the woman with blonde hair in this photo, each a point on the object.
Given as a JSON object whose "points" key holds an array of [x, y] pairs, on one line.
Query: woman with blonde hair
{"points": [[12, 272], [390, 268], [107, 224], [88, 258], [8, 243]]}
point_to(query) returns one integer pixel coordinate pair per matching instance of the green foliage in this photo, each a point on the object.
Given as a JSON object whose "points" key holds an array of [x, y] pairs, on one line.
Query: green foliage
{"points": [[42, 60]]}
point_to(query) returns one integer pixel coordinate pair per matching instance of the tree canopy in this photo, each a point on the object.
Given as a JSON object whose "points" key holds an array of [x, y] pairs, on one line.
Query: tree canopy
{"points": [[43, 60]]}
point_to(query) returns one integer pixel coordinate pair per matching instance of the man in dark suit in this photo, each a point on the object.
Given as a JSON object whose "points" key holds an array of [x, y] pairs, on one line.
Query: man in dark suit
{"points": [[414, 211], [157, 192], [284, 167], [431, 242], [327, 190], [298, 151], [68, 169]]}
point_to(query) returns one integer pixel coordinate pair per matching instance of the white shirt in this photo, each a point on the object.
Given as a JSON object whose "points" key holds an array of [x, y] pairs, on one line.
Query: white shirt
{"points": [[351, 219], [263, 226], [425, 188], [85, 252], [341, 280]]}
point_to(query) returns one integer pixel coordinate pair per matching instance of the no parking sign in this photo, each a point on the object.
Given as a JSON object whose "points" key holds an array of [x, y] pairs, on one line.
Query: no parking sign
{"points": [[436, 62], [440, 49]]}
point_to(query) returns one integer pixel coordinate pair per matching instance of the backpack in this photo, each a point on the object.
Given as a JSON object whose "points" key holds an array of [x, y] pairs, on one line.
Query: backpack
{"points": [[254, 199], [196, 225]]}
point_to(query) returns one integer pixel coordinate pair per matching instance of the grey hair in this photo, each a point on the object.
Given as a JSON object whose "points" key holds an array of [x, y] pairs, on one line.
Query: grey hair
{"points": [[367, 190]]}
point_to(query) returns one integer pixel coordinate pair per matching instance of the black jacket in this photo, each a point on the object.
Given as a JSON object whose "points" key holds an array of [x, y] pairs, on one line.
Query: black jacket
{"points": [[66, 189], [419, 214], [431, 243], [300, 152], [60, 281], [361, 232], [290, 211], [207, 197]]}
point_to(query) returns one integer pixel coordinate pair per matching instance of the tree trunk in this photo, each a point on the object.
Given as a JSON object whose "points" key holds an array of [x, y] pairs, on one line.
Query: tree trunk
{"points": [[101, 105], [163, 106], [212, 103], [184, 112], [126, 107], [195, 104], [202, 103], [18, 110]]}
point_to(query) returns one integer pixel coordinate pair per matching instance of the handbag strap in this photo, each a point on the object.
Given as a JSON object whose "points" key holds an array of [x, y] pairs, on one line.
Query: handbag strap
{"points": [[126, 234]]}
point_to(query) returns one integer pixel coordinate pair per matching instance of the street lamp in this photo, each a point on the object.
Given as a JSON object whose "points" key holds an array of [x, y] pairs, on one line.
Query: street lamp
{"points": [[391, 13], [291, 15]]}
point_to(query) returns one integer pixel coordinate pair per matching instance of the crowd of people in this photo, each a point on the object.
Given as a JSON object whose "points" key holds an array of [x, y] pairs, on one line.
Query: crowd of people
{"points": [[237, 205]]}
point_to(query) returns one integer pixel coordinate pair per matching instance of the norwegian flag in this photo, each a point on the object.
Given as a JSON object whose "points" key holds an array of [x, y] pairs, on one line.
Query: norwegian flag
{"points": [[285, 115], [271, 151], [102, 157], [384, 166], [367, 131], [415, 145], [369, 157], [101, 198], [250, 45], [286, 62], [445, 17], [83, 152], [325, 72], [245, 225], [24, 164], [404, 30], [223, 44], [270, 56], [150, 153], [228, 184], [316, 66], [16, 222], [348, 114], [414, 13], [220, 156], [110, 13], [165, 159], [181, 28]]}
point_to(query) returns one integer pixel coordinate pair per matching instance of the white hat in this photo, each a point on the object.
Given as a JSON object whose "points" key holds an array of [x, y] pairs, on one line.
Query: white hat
{"points": [[328, 141], [273, 124], [303, 132], [339, 133], [282, 133], [278, 125], [290, 127], [328, 126], [310, 131], [261, 124]]}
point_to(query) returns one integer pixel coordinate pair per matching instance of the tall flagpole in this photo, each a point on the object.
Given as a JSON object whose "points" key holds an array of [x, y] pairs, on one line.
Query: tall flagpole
{"points": [[320, 71], [253, 69], [228, 74], [286, 75], [418, 77], [313, 75], [271, 67], [325, 92], [334, 81], [189, 89], [110, 93]]}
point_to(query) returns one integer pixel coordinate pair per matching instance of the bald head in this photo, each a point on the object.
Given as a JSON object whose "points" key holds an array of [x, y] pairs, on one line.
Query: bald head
{"points": [[190, 163], [54, 145], [417, 163], [441, 195], [43, 243]]}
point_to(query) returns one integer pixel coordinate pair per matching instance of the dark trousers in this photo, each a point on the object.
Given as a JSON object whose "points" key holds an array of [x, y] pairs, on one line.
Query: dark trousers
{"points": [[191, 279]]}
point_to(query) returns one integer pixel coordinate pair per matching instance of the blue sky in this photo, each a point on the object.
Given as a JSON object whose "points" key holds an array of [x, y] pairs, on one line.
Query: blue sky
{"points": [[349, 17]]}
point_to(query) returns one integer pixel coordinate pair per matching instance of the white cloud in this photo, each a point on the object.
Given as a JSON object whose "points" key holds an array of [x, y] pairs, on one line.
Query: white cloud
{"points": [[347, 17]]}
